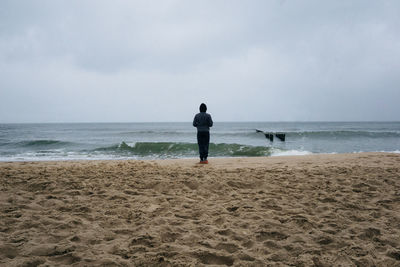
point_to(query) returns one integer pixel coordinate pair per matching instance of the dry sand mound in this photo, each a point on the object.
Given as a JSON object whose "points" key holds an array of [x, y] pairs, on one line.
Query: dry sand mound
{"points": [[326, 210]]}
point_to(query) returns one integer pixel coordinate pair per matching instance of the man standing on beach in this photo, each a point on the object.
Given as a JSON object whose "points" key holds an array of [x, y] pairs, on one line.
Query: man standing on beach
{"points": [[203, 122]]}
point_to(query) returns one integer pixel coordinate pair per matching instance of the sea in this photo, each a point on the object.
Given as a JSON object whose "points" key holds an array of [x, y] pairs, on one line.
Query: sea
{"points": [[112, 141]]}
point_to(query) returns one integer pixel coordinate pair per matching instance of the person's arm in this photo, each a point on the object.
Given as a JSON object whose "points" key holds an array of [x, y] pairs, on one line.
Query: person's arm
{"points": [[210, 122], [195, 122]]}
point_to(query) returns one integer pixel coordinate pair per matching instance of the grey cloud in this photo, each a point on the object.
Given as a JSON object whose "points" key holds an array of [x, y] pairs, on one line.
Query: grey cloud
{"points": [[156, 60]]}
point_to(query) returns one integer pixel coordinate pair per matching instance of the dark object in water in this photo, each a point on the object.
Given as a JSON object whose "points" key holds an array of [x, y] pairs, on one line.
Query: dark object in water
{"points": [[281, 136], [269, 136]]}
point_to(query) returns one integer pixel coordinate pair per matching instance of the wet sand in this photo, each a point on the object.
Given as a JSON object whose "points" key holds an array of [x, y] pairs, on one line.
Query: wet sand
{"points": [[317, 210]]}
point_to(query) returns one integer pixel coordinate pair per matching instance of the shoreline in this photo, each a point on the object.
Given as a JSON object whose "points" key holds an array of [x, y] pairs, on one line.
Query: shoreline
{"points": [[193, 158], [319, 209]]}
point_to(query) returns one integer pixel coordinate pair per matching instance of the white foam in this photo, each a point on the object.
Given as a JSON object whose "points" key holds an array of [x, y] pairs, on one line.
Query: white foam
{"points": [[29, 156], [129, 144], [290, 153], [395, 151]]}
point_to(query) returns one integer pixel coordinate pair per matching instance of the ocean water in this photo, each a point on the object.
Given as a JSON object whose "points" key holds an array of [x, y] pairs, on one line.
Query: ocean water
{"points": [[72, 141]]}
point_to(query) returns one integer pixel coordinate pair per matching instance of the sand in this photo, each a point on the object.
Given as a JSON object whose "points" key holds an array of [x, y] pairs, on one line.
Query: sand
{"points": [[318, 210]]}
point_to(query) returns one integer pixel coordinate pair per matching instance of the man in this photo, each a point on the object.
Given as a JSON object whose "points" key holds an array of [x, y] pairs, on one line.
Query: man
{"points": [[203, 122]]}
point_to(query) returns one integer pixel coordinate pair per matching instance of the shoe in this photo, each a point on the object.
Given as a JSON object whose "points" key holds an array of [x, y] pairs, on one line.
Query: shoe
{"points": [[204, 162]]}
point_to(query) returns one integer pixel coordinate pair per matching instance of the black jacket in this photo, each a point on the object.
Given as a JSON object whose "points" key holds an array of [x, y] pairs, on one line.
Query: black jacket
{"points": [[203, 122]]}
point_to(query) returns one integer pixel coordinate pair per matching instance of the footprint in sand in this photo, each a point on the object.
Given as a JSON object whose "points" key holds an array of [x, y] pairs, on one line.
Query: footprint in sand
{"points": [[211, 258], [228, 247], [262, 236], [144, 240], [152, 207], [9, 251], [169, 237], [370, 234]]}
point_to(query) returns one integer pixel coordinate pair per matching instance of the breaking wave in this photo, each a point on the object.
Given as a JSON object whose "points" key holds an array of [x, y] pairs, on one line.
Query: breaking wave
{"points": [[37, 144], [345, 134], [172, 149]]}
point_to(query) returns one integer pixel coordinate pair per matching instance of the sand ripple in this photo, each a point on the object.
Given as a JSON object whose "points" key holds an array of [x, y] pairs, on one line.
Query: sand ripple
{"points": [[332, 210]]}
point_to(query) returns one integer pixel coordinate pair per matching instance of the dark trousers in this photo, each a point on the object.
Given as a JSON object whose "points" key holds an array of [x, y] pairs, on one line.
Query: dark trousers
{"points": [[203, 140]]}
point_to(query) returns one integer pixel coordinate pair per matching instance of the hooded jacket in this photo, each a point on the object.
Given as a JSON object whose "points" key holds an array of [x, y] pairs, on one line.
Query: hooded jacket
{"points": [[203, 122]]}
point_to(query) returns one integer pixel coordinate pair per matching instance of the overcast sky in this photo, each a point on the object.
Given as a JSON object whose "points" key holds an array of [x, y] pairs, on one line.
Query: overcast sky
{"points": [[135, 61]]}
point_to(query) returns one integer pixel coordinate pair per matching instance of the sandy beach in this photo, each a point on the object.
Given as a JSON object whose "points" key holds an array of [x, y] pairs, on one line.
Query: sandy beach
{"points": [[317, 210]]}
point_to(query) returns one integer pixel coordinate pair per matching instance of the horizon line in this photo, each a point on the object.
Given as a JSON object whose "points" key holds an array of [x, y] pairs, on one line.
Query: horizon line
{"points": [[241, 121]]}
